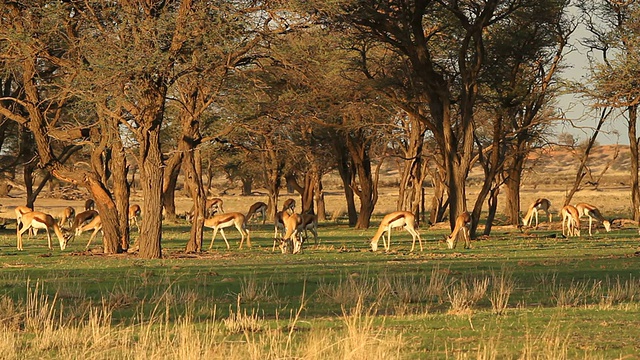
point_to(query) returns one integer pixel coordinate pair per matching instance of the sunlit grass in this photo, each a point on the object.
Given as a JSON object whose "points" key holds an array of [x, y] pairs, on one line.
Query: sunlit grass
{"points": [[508, 297]]}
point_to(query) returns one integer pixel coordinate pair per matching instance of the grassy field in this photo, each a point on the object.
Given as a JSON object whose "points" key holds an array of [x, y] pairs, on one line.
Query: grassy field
{"points": [[515, 295]]}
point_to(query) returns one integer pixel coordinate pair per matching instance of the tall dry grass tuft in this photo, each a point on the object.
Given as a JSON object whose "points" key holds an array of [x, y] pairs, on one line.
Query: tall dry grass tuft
{"points": [[438, 284], [551, 344], [349, 288], [363, 339], [159, 334], [241, 322], [502, 285], [619, 291], [253, 290], [40, 309], [464, 294], [572, 295]]}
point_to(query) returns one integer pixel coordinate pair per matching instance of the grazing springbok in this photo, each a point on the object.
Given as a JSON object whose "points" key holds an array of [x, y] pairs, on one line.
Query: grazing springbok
{"points": [[40, 220], [288, 206], [89, 205], [67, 215], [221, 221], [134, 214], [310, 223], [570, 219], [534, 208], [257, 208], [396, 219], [463, 223], [95, 224], [591, 212], [81, 219], [292, 240]]}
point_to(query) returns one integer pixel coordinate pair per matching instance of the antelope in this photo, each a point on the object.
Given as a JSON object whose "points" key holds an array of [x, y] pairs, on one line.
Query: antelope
{"points": [[293, 236], [95, 224], [395, 219], [67, 216], [571, 218], [40, 220], [81, 219], [463, 223], [211, 207], [288, 206], [310, 223], [534, 208], [20, 211], [591, 212], [89, 205], [222, 221], [134, 213], [258, 208]]}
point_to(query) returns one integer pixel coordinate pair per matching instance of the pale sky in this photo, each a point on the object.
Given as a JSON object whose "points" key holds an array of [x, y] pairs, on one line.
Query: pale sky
{"points": [[614, 131]]}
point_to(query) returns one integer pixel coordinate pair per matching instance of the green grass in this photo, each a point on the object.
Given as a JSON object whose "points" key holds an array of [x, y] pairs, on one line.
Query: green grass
{"points": [[570, 298]]}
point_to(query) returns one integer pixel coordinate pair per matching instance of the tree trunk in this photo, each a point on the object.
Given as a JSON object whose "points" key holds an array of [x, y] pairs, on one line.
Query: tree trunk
{"points": [[513, 182], [438, 203], [272, 171], [493, 208], [108, 215], [492, 166], [412, 171], [193, 175], [171, 173], [346, 175], [121, 192], [151, 180], [366, 188], [247, 186], [319, 195], [633, 147]]}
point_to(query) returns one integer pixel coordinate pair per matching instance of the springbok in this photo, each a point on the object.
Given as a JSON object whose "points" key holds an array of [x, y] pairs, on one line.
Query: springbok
{"points": [[134, 213], [395, 219], [40, 220], [95, 224], [221, 221], [534, 208], [463, 223], [591, 212], [257, 208], [570, 219]]}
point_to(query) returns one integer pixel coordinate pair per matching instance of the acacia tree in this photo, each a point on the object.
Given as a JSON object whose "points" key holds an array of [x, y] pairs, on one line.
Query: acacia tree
{"points": [[442, 45], [34, 41], [524, 59], [612, 82]]}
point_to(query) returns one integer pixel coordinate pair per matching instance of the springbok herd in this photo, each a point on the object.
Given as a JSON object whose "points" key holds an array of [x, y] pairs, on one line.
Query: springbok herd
{"points": [[290, 228]]}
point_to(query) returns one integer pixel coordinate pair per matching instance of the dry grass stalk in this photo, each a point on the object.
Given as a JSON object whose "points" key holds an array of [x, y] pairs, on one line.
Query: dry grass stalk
{"points": [[240, 322], [463, 296], [571, 296], [438, 284], [253, 290], [501, 289]]}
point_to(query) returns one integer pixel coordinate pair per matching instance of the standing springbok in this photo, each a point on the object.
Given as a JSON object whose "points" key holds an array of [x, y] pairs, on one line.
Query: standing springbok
{"points": [[81, 219], [395, 219], [67, 216], [20, 211], [221, 221], [570, 218]]}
